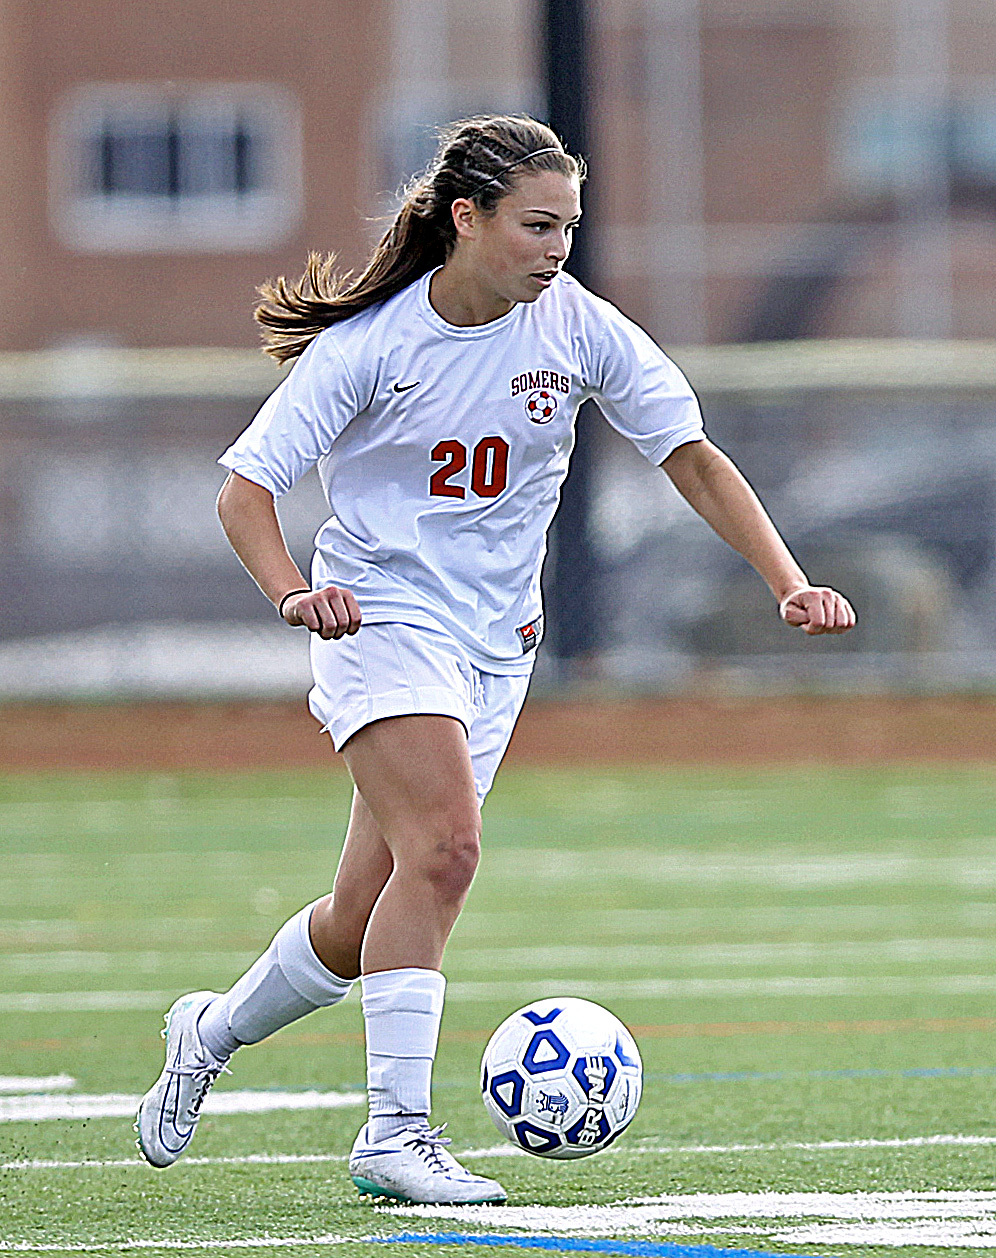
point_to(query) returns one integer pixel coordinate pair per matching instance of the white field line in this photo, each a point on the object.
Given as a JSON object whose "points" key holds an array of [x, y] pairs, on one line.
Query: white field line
{"points": [[509, 1150], [974, 869], [123, 1247], [642, 1214], [814, 1205], [88, 814], [21, 932], [814, 1146], [83, 961], [543, 959], [770, 868], [39, 1109], [831, 1146], [249, 1159], [707, 988], [540, 988], [84, 1002], [475, 923], [755, 952], [36, 1083], [877, 917], [946, 1234], [972, 1233], [947, 1219]]}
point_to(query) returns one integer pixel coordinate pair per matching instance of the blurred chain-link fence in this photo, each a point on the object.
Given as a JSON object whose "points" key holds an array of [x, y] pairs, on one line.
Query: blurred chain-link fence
{"points": [[876, 459]]}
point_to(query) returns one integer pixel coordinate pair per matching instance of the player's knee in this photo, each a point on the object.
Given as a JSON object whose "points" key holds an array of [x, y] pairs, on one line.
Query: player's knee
{"points": [[450, 861]]}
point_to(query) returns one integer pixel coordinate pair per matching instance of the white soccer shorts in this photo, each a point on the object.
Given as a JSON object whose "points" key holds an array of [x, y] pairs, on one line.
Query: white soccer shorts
{"points": [[402, 670]]}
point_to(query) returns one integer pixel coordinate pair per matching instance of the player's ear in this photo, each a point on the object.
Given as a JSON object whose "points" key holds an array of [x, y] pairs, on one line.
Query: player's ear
{"points": [[465, 217]]}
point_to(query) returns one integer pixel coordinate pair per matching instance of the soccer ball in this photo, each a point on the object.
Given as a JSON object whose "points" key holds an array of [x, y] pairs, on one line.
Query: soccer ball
{"points": [[561, 1078]]}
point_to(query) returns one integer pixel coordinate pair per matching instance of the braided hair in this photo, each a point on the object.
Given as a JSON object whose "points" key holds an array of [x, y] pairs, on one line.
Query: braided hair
{"points": [[478, 159]]}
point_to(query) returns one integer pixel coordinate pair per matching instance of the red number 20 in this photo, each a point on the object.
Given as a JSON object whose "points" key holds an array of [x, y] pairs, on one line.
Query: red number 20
{"points": [[488, 469]]}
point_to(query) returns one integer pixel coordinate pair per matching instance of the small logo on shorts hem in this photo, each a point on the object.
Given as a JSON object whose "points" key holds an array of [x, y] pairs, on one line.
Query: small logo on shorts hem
{"points": [[531, 635]]}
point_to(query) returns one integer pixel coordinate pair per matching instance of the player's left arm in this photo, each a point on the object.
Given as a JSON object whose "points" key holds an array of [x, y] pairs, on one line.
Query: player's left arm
{"points": [[714, 486]]}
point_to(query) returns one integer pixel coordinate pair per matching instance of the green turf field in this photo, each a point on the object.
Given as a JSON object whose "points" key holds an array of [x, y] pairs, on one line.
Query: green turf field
{"points": [[807, 959]]}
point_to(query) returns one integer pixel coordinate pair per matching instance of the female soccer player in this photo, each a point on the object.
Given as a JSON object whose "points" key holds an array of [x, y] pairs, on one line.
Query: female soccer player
{"points": [[436, 393]]}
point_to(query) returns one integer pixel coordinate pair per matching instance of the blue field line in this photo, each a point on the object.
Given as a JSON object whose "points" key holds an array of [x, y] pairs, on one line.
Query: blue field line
{"points": [[774, 1076], [579, 1244]]}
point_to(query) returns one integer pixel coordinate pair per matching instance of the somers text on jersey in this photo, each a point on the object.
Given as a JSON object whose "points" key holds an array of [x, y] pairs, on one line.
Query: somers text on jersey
{"points": [[530, 380]]}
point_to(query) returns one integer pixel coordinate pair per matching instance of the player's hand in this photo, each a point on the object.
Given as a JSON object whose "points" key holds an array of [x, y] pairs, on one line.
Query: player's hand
{"points": [[818, 609], [330, 612]]}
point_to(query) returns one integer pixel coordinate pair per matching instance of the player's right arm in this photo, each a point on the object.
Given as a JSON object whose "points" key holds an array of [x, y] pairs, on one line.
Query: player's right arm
{"points": [[249, 517]]}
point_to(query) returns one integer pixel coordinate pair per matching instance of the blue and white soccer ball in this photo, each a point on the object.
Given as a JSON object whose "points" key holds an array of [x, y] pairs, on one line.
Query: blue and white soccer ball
{"points": [[561, 1078]]}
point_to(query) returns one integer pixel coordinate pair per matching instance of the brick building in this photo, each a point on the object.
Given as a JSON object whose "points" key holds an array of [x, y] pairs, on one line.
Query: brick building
{"points": [[762, 167]]}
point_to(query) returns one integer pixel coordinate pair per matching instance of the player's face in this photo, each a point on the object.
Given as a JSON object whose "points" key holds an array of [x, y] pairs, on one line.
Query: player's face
{"points": [[518, 250]]}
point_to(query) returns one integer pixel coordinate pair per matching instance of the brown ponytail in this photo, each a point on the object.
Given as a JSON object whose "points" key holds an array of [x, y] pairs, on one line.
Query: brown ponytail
{"points": [[470, 162]]}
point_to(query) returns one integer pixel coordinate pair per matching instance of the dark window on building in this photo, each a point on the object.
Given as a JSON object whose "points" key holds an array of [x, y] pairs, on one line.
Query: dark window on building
{"points": [[212, 167]]}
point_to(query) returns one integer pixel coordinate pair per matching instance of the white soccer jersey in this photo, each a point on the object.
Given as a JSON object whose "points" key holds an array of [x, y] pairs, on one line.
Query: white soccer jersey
{"points": [[442, 450]]}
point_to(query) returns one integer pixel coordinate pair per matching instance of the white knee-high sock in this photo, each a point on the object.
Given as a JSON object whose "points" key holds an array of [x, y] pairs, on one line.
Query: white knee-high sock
{"points": [[286, 982], [402, 1010]]}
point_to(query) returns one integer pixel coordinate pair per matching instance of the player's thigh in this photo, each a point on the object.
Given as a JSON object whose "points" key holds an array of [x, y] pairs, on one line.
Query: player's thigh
{"points": [[415, 775], [398, 701]]}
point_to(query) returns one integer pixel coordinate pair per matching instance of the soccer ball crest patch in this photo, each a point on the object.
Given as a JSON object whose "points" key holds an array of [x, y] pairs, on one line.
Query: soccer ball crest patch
{"points": [[541, 406]]}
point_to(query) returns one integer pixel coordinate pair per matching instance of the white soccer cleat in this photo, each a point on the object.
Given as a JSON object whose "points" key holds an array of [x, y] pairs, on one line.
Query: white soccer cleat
{"points": [[170, 1110], [415, 1166]]}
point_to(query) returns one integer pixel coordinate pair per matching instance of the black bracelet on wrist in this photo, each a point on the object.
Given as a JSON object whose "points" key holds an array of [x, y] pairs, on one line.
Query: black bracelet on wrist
{"points": [[289, 594]]}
